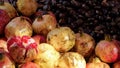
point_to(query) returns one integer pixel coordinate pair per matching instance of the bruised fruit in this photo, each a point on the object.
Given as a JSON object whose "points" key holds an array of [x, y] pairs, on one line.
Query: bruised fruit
{"points": [[43, 24], [19, 26], [29, 65], [107, 51], [84, 44], [5, 60], [22, 49], [62, 39], [71, 60], [8, 8], [27, 7], [4, 20], [47, 56]]}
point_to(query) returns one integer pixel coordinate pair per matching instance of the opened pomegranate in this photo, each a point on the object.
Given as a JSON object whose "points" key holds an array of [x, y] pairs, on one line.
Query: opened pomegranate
{"points": [[4, 20], [19, 26], [22, 49], [27, 7], [8, 8], [62, 39], [84, 44], [5, 60], [44, 24], [71, 60]]}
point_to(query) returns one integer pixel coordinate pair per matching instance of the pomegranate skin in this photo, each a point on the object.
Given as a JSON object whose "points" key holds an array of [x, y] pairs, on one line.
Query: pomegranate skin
{"points": [[4, 20], [27, 7], [5, 60], [29, 65], [19, 26], [9, 9], [84, 44], [107, 51], [116, 64]]}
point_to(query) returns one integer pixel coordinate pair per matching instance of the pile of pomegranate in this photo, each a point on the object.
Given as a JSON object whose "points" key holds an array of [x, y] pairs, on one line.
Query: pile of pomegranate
{"points": [[34, 39]]}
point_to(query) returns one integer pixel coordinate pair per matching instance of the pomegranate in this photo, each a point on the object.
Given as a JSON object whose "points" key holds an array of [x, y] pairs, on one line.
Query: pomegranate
{"points": [[4, 20], [39, 39], [8, 8], [116, 64], [27, 7], [44, 24], [97, 65], [22, 49], [107, 51], [84, 44], [29, 65], [62, 39], [95, 62], [5, 60], [47, 56], [71, 60], [19, 26]]}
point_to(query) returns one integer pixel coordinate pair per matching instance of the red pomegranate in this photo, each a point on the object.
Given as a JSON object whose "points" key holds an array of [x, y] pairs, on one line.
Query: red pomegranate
{"points": [[4, 19], [108, 50]]}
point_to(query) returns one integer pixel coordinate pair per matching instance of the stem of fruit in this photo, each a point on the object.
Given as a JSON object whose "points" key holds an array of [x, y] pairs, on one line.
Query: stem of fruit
{"points": [[81, 31], [107, 37], [39, 18]]}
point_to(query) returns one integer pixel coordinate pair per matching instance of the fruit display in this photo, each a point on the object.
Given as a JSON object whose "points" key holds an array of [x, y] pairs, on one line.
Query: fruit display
{"points": [[59, 33]]}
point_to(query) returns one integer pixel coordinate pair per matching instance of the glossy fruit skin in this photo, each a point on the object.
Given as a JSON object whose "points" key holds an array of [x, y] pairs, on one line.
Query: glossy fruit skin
{"points": [[84, 44], [62, 39], [27, 7], [19, 26], [4, 20], [22, 49], [107, 51]]}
